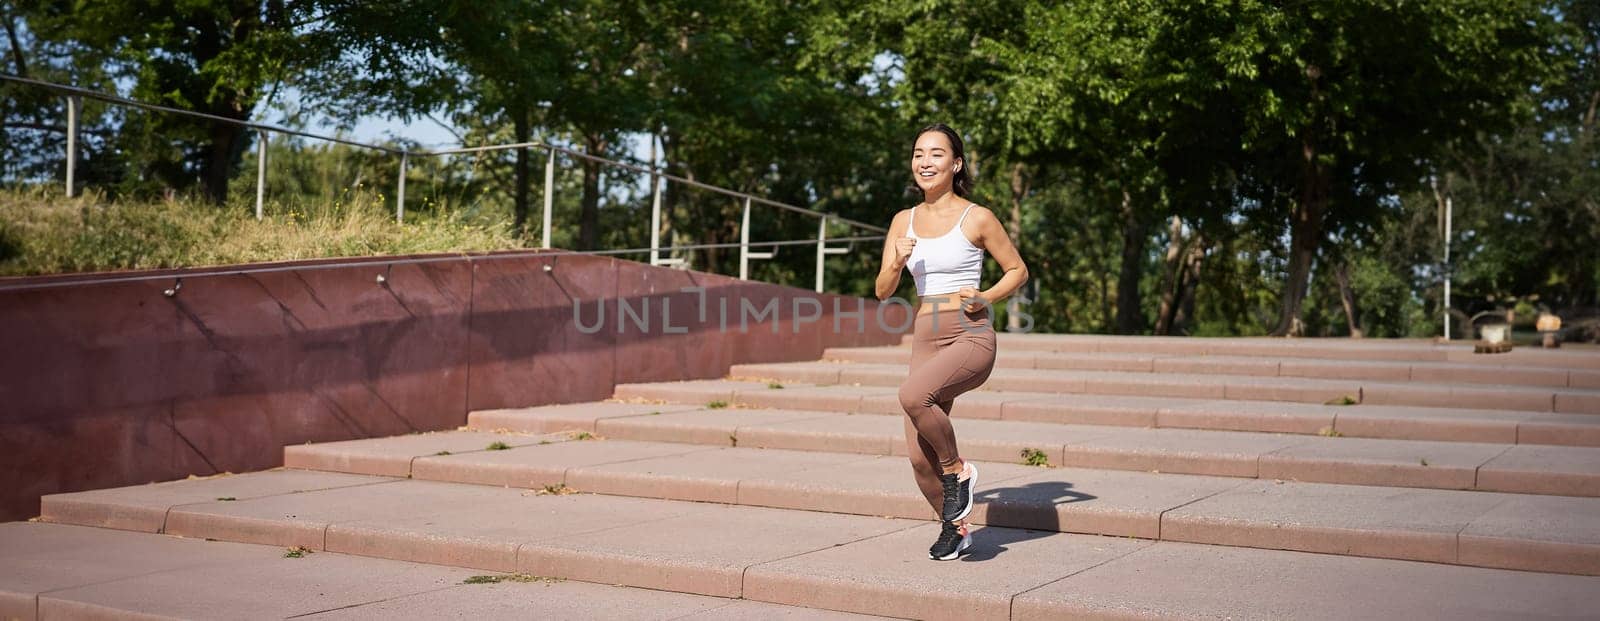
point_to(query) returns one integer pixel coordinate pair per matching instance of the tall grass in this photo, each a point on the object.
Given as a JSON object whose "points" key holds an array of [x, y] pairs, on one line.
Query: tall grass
{"points": [[42, 232]]}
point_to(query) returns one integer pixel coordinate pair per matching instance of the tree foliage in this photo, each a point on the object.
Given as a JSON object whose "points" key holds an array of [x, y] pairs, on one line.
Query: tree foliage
{"points": [[1202, 167], [215, 57]]}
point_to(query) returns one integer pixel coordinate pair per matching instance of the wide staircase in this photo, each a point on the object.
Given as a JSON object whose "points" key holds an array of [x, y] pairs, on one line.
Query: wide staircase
{"points": [[1120, 478]]}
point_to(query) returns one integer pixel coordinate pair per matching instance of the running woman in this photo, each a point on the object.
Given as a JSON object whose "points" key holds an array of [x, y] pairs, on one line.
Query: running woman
{"points": [[942, 241]]}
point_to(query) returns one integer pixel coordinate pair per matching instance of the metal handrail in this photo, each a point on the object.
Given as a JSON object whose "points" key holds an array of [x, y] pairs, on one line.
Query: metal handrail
{"points": [[657, 175], [82, 92], [378, 261]]}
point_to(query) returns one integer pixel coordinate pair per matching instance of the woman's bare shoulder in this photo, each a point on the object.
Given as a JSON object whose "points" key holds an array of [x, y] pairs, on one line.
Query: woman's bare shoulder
{"points": [[982, 214], [900, 218]]}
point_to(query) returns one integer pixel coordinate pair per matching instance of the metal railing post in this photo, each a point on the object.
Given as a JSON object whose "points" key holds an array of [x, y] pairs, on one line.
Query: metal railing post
{"points": [[745, 256], [400, 199], [72, 142], [655, 220], [549, 194], [822, 249], [744, 242], [261, 170]]}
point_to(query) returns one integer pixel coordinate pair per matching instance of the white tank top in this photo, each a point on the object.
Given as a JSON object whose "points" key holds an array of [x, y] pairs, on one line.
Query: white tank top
{"points": [[946, 263]]}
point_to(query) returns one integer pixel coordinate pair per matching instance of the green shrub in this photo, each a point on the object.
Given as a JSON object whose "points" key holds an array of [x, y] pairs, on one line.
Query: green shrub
{"points": [[42, 232]]}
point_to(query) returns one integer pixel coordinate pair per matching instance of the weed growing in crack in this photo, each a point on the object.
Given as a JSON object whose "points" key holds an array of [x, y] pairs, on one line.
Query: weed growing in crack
{"points": [[1035, 457]]}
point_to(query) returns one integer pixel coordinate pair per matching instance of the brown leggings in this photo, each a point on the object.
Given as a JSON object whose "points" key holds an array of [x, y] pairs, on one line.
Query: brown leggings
{"points": [[948, 357]]}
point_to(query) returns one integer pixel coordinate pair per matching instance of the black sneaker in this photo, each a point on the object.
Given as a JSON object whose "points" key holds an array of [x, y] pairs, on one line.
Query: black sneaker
{"points": [[952, 541], [958, 493]]}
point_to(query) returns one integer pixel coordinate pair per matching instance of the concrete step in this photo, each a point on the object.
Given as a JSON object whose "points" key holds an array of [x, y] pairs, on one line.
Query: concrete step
{"points": [[1396, 422], [1422, 350], [1205, 386], [1539, 533], [53, 571], [861, 564], [1214, 364], [1531, 469]]}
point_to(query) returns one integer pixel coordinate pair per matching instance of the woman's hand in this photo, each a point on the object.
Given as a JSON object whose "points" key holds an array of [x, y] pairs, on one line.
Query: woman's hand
{"points": [[902, 250], [896, 252], [971, 299]]}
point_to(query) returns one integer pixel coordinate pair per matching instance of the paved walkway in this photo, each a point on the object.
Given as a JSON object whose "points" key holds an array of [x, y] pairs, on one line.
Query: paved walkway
{"points": [[1121, 478]]}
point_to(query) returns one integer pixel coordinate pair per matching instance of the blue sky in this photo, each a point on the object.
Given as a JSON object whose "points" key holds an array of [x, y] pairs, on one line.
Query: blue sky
{"points": [[424, 130], [429, 132]]}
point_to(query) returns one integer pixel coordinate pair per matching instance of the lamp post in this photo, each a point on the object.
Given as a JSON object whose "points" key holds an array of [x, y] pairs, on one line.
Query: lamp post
{"points": [[1447, 210]]}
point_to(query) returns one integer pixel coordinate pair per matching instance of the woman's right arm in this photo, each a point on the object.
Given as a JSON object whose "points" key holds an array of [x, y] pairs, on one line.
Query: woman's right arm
{"points": [[895, 254]]}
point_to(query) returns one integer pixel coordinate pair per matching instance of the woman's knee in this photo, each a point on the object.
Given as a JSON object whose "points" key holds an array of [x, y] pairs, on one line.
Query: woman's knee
{"points": [[915, 401]]}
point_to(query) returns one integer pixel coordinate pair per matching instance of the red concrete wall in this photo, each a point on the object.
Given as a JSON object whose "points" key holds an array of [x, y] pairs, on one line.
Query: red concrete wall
{"points": [[105, 384]]}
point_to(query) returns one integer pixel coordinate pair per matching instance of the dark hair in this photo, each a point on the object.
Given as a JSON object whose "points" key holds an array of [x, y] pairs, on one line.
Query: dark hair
{"points": [[962, 184]]}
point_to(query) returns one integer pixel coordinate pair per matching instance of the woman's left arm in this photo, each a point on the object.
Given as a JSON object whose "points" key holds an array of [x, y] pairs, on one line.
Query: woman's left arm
{"points": [[993, 238]]}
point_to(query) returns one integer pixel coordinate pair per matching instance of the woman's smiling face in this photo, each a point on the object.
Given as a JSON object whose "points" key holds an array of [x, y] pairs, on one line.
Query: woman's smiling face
{"points": [[933, 164]]}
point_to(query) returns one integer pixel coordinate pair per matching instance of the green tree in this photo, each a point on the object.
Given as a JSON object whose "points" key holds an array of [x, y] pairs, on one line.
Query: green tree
{"points": [[1345, 103], [220, 58], [1113, 91], [755, 97], [33, 127], [1526, 205], [1311, 114]]}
